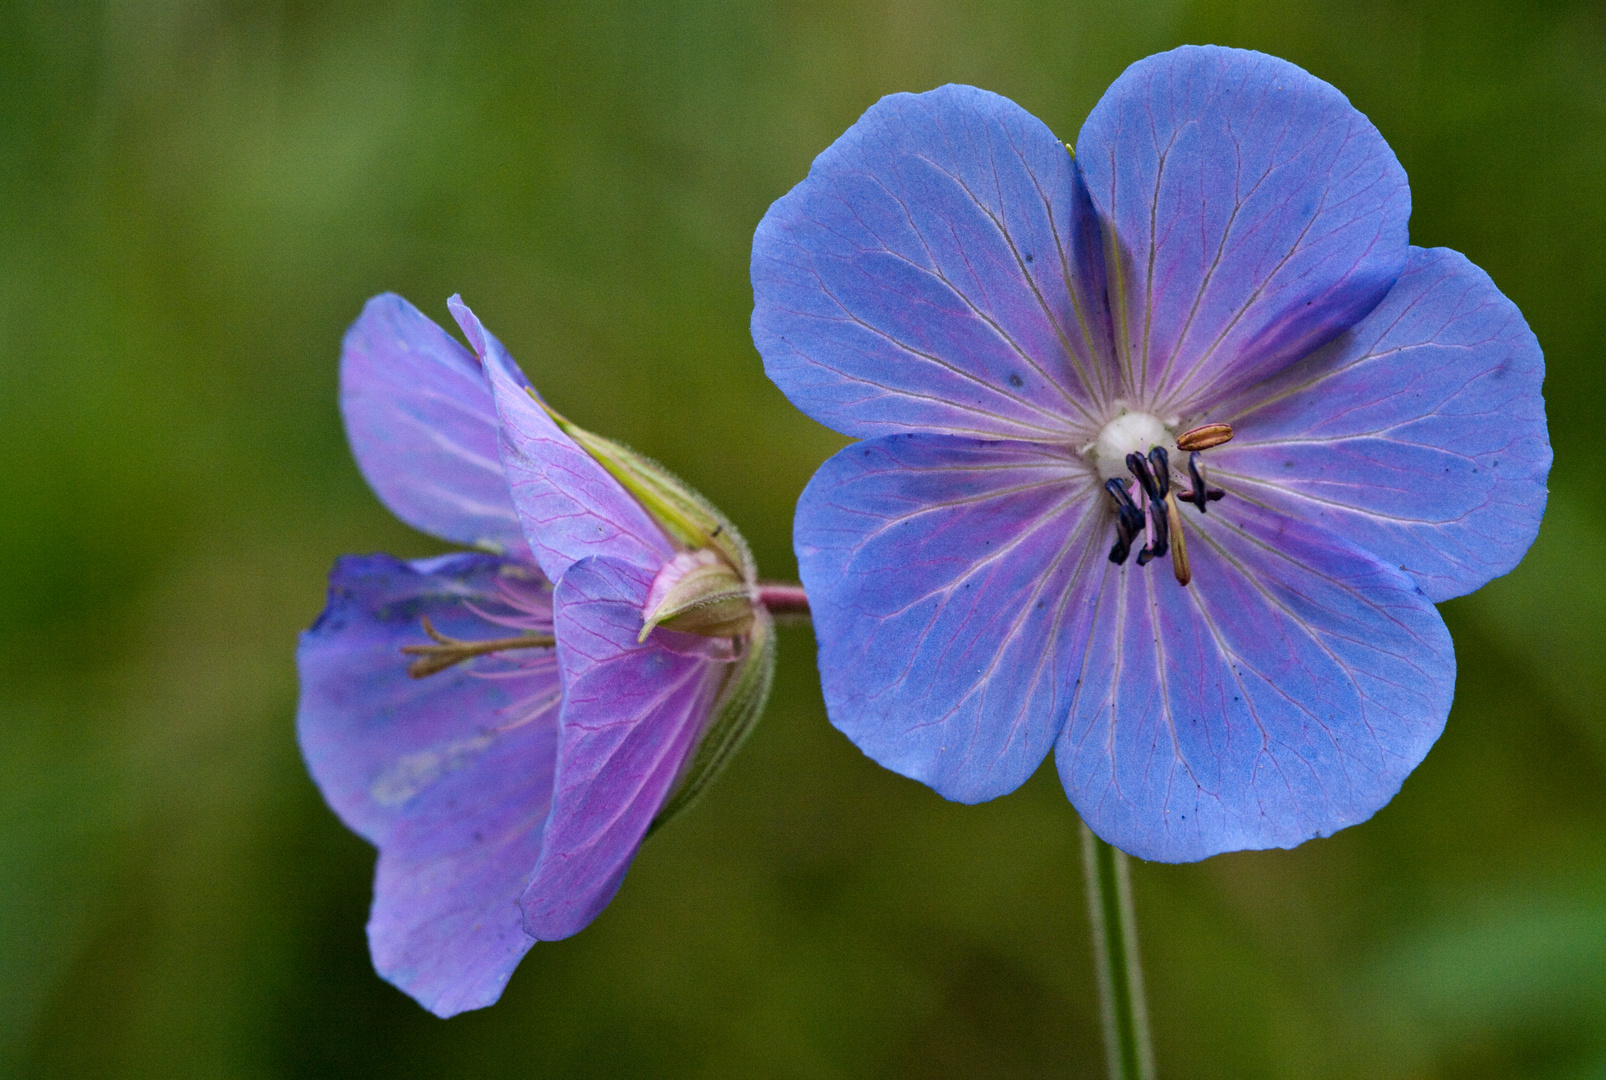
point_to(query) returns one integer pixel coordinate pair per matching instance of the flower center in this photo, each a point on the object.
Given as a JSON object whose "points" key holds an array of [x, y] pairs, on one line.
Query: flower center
{"points": [[1134, 456], [1129, 433]]}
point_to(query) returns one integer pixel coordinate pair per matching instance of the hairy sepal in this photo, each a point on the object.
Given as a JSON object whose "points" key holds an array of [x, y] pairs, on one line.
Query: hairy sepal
{"points": [[741, 703], [689, 519]]}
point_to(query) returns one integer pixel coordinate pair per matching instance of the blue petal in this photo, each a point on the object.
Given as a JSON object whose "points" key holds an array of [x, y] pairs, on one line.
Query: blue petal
{"points": [[570, 506], [948, 579], [450, 775], [422, 426], [1285, 694], [632, 713], [1253, 214], [939, 268], [1420, 435]]}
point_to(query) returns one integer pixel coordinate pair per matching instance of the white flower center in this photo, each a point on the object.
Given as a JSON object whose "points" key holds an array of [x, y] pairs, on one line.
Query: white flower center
{"points": [[1129, 433]]}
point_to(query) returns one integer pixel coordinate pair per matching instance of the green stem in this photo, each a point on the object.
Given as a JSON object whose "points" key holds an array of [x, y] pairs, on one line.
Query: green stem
{"points": [[1115, 948]]}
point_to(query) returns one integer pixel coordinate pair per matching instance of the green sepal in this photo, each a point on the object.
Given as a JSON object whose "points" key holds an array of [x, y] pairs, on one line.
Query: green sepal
{"points": [[741, 702], [689, 519]]}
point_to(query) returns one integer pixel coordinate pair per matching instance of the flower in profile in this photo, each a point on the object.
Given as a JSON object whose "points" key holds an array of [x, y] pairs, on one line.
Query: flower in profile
{"points": [[1170, 445], [506, 726]]}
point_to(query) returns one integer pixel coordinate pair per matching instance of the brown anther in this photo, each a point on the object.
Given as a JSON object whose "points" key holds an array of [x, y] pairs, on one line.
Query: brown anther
{"points": [[449, 651], [1204, 437], [1179, 543]]}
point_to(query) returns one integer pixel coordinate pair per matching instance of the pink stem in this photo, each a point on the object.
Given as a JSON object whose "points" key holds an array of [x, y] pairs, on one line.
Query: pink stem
{"points": [[783, 598]]}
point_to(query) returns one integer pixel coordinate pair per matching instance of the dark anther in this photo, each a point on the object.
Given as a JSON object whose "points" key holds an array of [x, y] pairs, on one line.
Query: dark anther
{"points": [[1157, 521], [1128, 523], [1200, 495], [1122, 546], [1155, 482], [1139, 466], [1160, 465], [1131, 516]]}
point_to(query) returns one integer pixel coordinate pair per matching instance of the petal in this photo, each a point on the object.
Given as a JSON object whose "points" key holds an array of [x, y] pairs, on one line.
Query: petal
{"points": [[446, 926], [450, 775], [1252, 214], [631, 717], [939, 268], [422, 426], [945, 577], [1286, 693], [571, 508], [1420, 435]]}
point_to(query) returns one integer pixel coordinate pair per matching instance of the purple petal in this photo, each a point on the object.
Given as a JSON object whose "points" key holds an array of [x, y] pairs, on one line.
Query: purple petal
{"points": [[632, 714], [422, 426], [1285, 694], [570, 506], [1420, 435], [450, 775], [446, 925], [939, 268], [1255, 215], [947, 579]]}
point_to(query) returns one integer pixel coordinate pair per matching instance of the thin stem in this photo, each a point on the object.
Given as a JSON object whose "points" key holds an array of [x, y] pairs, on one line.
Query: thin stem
{"points": [[1115, 949], [783, 598]]}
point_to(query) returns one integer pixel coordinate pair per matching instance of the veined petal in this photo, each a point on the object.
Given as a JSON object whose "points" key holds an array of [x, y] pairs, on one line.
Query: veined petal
{"points": [[632, 713], [948, 579], [939, 268], [1420, 435], [1285, 694], [1251, 214], [450, 775], [422, 426], [446, 926], [570, 507]]}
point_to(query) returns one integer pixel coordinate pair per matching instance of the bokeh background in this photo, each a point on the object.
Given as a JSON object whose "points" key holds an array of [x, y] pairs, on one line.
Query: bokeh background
{"points": [[196, 197]]}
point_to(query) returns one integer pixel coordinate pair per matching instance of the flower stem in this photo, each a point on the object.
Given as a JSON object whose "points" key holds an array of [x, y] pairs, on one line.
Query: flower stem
{"points": [[1115, 949], [783, 598]]}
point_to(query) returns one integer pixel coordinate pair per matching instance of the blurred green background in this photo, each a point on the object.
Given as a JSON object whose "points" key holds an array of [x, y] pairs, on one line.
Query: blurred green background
{"points": [[196, 196]]}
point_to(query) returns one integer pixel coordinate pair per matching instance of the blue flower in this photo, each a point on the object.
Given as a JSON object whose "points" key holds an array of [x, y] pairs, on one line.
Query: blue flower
{"points": [[1046, 537], [565, 693]]}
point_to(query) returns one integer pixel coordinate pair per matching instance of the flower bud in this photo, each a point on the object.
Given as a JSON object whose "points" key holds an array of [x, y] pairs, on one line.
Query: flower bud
{"points": [[698, 592]]}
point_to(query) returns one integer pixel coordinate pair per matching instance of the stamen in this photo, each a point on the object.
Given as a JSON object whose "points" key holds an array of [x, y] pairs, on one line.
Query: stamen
{"points": [[1155, 483], [1139, 467], [1204, 437], [450, 651], [1128, 523], [1179, 543], [1160, 543], [1200, 495], [1160, 465]]}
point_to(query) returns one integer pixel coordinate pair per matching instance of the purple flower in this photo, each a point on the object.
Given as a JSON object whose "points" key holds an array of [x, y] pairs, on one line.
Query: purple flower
{"points": [[1044, 354], [509, 773]]}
